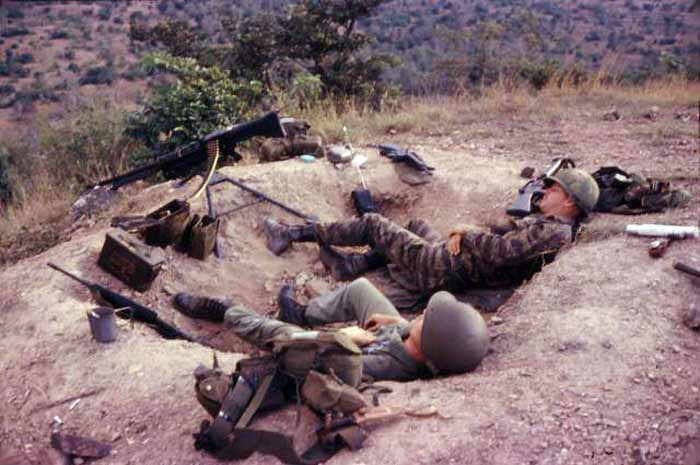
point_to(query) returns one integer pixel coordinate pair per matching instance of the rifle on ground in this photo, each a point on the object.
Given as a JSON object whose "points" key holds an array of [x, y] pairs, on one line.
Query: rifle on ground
{"points": [[531, 193], [687, 269], [128, 308], [180, 161]]}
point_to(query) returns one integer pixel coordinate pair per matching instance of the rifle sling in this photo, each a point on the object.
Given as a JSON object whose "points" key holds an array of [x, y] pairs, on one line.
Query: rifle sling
{"points": [[256, 401]]}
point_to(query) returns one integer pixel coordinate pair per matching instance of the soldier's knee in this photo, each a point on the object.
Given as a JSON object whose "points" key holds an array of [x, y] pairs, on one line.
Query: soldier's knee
{"points": [[360, 286], [372, 218], [233, 314]]}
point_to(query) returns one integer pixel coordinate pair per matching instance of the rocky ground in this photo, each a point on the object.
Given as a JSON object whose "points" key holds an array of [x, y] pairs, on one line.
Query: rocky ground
{"points": [[591, 361]]}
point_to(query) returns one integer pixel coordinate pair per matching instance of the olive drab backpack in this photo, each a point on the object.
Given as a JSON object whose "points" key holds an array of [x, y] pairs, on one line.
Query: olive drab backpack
{"points": [[323, 369], [631, 194]]}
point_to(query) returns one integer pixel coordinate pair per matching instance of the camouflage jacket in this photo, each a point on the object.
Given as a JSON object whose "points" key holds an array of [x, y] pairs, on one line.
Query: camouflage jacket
{"points": [[510, 252]]}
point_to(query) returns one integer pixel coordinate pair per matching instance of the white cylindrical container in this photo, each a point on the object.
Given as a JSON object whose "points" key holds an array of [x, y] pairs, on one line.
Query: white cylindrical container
{"points": [[663, 230]]}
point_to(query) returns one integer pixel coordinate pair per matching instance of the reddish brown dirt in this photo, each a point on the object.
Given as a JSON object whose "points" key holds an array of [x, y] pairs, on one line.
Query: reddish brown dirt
{"points": [[590, 362]]}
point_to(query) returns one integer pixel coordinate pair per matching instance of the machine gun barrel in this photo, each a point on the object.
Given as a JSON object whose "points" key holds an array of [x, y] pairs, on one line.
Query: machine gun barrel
{"points": [[195, 152]]}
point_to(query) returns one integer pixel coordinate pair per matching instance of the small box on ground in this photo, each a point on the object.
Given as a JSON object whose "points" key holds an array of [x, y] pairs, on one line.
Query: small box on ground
{"points": [[131, 260]]}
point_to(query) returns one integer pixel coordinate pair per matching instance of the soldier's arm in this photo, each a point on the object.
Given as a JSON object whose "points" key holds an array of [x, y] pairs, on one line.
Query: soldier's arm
{"points": [[516, 247], [385, 367], [456, 235]]}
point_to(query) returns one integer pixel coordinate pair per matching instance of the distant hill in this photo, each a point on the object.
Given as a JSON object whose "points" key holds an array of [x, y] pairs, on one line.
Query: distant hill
{"points": [[50, 49]]}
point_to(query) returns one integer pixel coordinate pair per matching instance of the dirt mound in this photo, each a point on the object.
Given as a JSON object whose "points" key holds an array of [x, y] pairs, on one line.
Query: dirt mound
{"points": [[590, 362]]}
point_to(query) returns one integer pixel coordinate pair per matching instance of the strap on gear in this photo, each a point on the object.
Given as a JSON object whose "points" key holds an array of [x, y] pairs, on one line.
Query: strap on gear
{"points": [[256, 401]]}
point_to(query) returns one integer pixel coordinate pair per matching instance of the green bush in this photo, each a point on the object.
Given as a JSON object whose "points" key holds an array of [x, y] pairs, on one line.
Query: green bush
{"points": [[104, 13], [97, 75], [537, 74], [10, 187], [58, 34], [15, 32], [201, 100], [592, 36], [15, 13], [74, 68], [24, 58], [6, 89]]}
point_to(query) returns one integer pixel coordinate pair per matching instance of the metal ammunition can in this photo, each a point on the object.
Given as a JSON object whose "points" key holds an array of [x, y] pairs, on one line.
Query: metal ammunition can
{"points": [[131, 260], [172, 220]]}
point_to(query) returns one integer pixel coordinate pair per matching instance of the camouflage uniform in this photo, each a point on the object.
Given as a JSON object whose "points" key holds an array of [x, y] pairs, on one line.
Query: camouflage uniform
{"points": [[384, 359], [495, 258]]}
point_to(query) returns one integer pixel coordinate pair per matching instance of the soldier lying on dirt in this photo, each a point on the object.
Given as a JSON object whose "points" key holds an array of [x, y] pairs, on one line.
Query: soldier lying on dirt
{"points": [[393, 348], [422, 264], [450, 337]]}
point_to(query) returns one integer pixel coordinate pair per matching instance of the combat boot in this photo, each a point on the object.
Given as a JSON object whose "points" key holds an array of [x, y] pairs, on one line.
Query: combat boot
{"points": [[291, 311], [346, 267], [279, 236], [202, 308]]}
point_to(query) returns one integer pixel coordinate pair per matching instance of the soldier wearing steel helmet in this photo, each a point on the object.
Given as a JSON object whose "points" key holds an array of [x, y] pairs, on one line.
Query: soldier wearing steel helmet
{"points": [[449, 337], [505, 255]]}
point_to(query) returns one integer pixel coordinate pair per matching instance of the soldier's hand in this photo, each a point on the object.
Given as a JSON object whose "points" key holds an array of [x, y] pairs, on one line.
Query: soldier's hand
{"points": [[378, 320], [454, 243], [359, 336]]}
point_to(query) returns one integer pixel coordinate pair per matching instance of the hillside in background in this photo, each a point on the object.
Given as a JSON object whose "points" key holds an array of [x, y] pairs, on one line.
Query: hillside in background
{"points": [[50, 49]]}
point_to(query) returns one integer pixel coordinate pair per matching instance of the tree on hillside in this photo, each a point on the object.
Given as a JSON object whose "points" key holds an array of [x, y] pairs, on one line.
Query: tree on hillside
{"points": [[313, 46], [316, 37], [201, 100]]}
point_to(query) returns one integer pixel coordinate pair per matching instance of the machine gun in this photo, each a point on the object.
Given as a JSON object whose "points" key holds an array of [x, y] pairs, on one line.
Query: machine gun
{"points": [[530, 194], [183, 159]]}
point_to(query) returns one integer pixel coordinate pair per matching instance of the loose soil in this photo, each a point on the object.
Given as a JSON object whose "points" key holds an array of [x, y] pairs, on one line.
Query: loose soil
{"points": [[590, 360]]}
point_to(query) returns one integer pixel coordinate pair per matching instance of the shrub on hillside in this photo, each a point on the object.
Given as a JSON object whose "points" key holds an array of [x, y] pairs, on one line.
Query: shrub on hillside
{"points": [[58, 34], [201, 100], [15, 32], [592, 36], [6, 89], [74, 68], [97, 75], [15, 13], [10, 186], [537, 75], [24, 58], [104, 13]]}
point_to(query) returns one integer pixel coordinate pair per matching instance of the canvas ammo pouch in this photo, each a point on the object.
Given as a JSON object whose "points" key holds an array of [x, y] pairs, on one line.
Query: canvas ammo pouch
{"points": [[326, 352], [327, 366], [326, 393]]}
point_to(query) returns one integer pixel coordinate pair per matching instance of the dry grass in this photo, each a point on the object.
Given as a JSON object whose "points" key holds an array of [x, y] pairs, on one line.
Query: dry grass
{"points": [[436, 115], [46, 202]]}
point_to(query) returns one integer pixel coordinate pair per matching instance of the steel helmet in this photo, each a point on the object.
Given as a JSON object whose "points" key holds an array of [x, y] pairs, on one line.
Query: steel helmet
{"points": [[454, 337]]}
